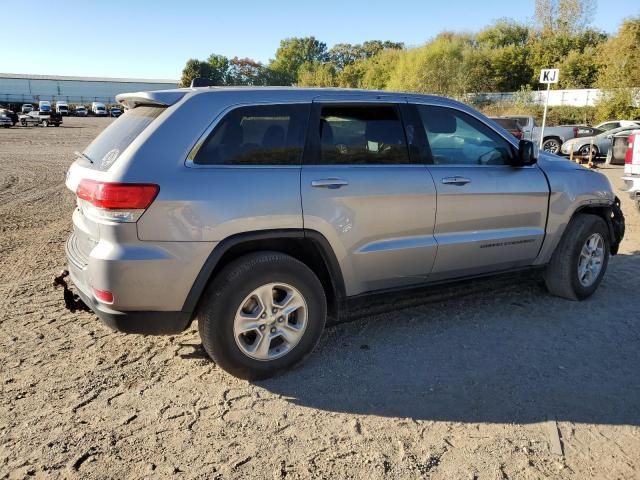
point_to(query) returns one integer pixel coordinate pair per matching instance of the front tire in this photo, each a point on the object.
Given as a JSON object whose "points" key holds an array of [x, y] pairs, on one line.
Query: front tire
{"points": [[263, 313], [580, 259]]}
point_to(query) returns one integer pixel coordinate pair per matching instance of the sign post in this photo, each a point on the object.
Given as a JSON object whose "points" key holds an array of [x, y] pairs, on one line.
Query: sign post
{"points": [[548, 76]]}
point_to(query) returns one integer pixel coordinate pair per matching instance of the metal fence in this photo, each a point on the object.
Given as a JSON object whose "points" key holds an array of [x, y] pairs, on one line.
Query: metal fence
{"points": [[582, 97]]}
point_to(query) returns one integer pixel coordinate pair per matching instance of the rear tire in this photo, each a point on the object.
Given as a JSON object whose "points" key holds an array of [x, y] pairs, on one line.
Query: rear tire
{"points": [[575, 272], [275, 338], [584, 151], [551, 145]]}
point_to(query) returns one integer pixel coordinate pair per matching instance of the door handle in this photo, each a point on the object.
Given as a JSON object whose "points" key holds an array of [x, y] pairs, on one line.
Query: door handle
{"points": [[456, 180], [329, 183]]}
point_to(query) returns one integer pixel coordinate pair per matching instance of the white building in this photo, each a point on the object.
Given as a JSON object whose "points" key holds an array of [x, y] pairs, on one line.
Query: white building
{"points": [[16, 88]]}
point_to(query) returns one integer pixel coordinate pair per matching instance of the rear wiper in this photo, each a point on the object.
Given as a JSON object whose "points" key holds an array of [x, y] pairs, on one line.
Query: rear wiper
{"points": [[82, 155]]}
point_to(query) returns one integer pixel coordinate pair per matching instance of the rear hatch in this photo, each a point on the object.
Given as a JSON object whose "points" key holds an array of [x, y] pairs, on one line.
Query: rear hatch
{"points": [[100, 201]]}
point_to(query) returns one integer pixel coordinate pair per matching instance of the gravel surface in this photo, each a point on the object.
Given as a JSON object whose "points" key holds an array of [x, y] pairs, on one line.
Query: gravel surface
{"points": [[487, 380]]}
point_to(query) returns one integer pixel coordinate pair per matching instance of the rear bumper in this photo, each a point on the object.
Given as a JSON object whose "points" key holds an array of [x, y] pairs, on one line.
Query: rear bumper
{"points": [[632, 186], [144, 323], [132, 321]]}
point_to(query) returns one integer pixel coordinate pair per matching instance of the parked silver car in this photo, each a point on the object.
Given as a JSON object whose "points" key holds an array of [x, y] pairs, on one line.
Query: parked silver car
{"points": [[598, 144], [258, 211]]}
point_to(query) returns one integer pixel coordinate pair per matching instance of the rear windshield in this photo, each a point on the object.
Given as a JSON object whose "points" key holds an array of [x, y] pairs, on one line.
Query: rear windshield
{"points": [[106, 148], [507, 123]]}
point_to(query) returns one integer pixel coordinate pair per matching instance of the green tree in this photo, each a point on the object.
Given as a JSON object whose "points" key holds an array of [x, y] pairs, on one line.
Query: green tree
{"points": [[436, 67], [551, 50], [317, 75], [343, 54], [619, 73], [377, 70], [292, 54], [246, 71], [619, 57], [194, 69], [219, 65], [503, 33], [564, 16]]}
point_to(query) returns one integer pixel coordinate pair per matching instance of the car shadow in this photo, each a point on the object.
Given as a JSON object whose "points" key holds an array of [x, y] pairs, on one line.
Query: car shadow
{"points": [[508, 352]]}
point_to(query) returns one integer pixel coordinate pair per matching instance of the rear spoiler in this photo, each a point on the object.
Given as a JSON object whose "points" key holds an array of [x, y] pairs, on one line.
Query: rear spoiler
{"points": [[160, 98]]}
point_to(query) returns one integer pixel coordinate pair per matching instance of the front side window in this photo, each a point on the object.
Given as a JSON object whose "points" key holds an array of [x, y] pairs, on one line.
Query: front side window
{"points": [[363, 134], [257, 135], [456, 138]]}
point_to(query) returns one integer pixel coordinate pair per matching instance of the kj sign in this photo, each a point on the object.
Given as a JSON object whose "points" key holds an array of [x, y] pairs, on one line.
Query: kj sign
{"points": [[549, 75]]}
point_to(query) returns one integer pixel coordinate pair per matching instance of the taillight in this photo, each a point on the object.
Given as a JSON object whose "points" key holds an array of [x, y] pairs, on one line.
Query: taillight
{"points": [[628, 157], [118, 202], [102, 295]]}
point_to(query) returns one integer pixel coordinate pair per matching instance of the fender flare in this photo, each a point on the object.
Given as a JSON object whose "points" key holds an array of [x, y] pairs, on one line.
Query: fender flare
{"points": [[225, 245]]}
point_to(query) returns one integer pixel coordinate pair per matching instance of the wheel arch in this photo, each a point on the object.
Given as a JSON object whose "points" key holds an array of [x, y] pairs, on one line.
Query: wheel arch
{"points": [[613, 217], [308, 246]]}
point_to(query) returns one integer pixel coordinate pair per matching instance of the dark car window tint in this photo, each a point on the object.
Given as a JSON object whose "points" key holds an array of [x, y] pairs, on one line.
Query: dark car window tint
{"points": [[456, 138], [362, 135], [257, 135], [106, 148], [507, 123]]}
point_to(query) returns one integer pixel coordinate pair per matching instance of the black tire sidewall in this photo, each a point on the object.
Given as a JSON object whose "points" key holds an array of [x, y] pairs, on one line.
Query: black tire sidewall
{"points": [[596, 225], [224, 297]]}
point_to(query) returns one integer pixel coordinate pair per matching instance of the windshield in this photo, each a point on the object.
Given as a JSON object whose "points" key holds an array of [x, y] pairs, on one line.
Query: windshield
{"points": [[106, 148], [613, 131], [507, 123]]}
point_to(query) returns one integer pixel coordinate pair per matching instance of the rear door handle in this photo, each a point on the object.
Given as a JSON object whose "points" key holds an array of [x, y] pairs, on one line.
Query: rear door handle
{"points": [[329, 183], [456, 180]]}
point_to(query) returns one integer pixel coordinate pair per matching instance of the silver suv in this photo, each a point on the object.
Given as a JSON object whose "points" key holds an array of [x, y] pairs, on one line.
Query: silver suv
{"points": [[259, 211]]}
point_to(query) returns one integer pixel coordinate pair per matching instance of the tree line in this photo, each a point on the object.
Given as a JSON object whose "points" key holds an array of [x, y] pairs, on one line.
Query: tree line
{"points": [[504, 56]]}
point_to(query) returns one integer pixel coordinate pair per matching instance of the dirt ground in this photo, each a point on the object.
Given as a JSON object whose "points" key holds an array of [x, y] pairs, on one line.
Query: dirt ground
{"points": [[495, 380]]}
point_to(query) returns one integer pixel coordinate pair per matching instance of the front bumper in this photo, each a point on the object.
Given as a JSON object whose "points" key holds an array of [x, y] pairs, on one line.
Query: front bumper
{"points": [[142, 322]]}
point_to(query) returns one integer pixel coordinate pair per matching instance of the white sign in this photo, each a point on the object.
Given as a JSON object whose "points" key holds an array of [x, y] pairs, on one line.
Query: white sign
{"points": [[549, 75]]}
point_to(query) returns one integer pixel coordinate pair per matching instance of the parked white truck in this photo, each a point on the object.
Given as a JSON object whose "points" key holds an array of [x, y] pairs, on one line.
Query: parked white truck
{"points": [[62, 108], [99, 109]]}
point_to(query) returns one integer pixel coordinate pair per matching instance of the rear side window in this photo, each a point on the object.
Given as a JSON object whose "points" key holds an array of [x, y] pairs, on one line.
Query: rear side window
{"points": [[106, 148], [257, 135], [363, 134]]}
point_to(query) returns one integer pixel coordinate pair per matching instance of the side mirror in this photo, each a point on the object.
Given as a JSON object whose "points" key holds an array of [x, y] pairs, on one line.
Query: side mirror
{"points": [[527, 154]]}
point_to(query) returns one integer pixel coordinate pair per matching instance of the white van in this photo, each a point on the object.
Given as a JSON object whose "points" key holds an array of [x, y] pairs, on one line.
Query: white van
{"points": [[99, 109], [62, 108]]}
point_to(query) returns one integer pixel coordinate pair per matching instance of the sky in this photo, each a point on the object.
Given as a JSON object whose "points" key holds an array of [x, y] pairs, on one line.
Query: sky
{"points": [[154, 38]]}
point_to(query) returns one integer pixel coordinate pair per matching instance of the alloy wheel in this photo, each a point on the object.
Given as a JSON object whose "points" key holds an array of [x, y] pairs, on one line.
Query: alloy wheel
{"points": [[270, 321], [591, 260]]}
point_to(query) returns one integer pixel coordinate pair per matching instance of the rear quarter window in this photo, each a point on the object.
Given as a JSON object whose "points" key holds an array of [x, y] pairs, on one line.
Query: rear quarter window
{"points": [[107, 147], [259, 135]]}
